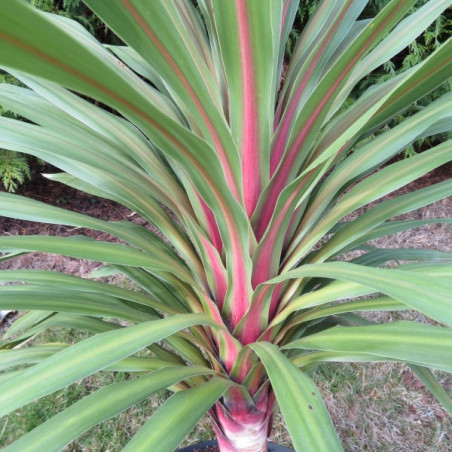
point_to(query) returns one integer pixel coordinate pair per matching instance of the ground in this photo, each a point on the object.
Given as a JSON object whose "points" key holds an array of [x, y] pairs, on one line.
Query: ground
{"points": [[378, 407]]}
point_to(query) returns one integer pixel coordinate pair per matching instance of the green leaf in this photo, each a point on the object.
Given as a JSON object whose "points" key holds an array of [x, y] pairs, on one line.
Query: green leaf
{"points": [[116, 134], [373, 154], [26, 321], [123, 184], [406, 341], [62, 320], [312, 359], [372, 304], [306, 416], [424, 77], [103, 404], [370, 189], [90, 69], [88, 357], [396, 41], [377, 257], [337, 290], [248, 35], [311, 116], [63, 281], [387, 180], [83, 247], [157, 32], [429, 294], [35, 297], [316, 48], [176, 417], [433, 385], [395, 226], [12, 358]]}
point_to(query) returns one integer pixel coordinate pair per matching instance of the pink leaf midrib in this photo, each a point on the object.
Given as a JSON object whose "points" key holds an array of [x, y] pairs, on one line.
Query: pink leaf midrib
{"points": [[250, 129], [229, 174]]}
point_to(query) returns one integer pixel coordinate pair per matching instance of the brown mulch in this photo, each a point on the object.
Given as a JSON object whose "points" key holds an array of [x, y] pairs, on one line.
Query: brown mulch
{"points": [[68, 198], [435, 236], [208, 449], [59, 195]]}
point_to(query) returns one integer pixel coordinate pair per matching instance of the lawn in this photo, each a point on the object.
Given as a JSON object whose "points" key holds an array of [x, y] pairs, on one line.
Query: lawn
{"points": [[375, 407]]}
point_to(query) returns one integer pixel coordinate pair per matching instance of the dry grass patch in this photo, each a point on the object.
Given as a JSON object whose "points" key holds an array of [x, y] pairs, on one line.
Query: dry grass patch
{"points": [[375, 407]]}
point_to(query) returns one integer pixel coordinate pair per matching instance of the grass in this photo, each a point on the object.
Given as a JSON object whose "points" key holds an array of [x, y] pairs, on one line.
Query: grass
{"points": [[375, 407], [111, 435], [384, 407], [108, 436]]}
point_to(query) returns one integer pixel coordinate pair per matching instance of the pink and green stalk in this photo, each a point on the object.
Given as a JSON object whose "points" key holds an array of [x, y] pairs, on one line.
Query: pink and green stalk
{"points": [[258, 164]]}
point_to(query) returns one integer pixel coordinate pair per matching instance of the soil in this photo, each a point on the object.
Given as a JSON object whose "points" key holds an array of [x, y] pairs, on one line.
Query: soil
{"points": [[44, 190], [208, 449], [434, 236], [68, 198], [59, 195]]}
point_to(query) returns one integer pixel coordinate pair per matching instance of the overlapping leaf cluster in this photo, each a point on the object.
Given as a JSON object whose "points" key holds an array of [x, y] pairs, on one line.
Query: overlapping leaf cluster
{"points": [[250, 180]]}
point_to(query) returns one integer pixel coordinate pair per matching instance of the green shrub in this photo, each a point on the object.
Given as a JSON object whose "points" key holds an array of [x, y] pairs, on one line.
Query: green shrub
{"points": [[420, 48], [265, 198], [14, 168]]}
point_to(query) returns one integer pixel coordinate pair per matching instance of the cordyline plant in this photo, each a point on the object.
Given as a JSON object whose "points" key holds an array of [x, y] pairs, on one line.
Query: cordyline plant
{"points": [[249, 172]]}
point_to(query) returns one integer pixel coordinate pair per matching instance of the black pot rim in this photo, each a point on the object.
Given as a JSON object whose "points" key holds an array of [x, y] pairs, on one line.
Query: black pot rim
{"points": [[272, 447]]}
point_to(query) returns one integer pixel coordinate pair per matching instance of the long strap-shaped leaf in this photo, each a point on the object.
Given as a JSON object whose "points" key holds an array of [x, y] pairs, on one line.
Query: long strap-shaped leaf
{"points": [[374, 187], [161, 290], [318, 25], [130, 151], [306, 416], [288, 16], [373, 304], [97, 170], [105, 82], [410, 86], [86, 248], [402, 36], [12, 358], [90, 69], [405, 341], [248, 32], [393, 227], [63, 281], [176, 417], [433, 385], [15, 206], [377, 257], [111, 127], [331, 146], [66, 426], [310, 68], [43, 298], [24, 322], [371, 155], [375, 216], [433, 71], [335, 291], [87, 357], [70, 321], [339, 133], [30, 355], [430, 294], [160, 36], [311, 117]]}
